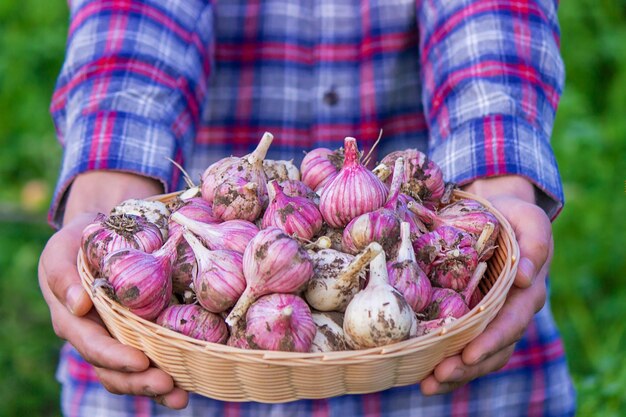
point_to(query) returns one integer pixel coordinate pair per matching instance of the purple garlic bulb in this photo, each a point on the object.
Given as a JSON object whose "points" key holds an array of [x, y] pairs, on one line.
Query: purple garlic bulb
{"points": [[448, 257], [219, 281], [236, 187], [467, 215], [423, 179], [141, 281], [231, 234], [355, 190], [194, 321], [280, 322], [118, 231], [296, 216], [406, 276], [445, 302], [294, 188], [273, 262], [320, 166], [381, 225]]}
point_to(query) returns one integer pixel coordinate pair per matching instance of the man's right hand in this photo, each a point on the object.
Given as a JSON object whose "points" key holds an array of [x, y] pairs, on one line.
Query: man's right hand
{"points": [[120, 368]]}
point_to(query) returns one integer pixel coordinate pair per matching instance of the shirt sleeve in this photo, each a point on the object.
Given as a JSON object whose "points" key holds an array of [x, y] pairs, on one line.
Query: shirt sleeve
{"points": [[131, 88], [492, 78]]}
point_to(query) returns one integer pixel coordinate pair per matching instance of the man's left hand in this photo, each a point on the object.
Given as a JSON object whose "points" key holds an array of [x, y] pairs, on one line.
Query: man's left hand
{"points": [[513, 196]]}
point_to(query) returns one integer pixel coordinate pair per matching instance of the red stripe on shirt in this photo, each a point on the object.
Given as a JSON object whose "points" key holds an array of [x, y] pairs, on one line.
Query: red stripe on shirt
{"points": [[105, 66], [320, 408], [371, 405], [460, 401], [465, 14], [95, 9], [488, 69]]}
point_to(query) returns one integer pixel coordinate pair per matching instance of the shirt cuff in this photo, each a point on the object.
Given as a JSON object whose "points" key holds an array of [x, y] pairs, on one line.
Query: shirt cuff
{"points": [[114, 141], [502, 145]]}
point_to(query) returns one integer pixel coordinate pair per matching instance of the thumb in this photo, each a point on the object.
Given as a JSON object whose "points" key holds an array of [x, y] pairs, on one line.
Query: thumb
{"points": [[58, 272]]}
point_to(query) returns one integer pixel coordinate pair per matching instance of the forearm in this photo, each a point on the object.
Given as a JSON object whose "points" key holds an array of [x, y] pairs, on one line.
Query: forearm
{"points": [[99, 191], [492, 76]]}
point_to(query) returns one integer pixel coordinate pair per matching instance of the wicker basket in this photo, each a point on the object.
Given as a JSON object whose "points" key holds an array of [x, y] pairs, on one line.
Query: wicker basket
{"points": [[232, 374]]}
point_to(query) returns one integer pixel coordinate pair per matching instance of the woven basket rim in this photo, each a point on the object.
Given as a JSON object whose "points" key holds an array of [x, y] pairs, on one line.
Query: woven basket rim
{"points": [[492, 300]]}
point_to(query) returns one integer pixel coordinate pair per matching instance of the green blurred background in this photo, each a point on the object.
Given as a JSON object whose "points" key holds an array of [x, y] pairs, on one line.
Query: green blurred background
{"points": [[588, 287]]}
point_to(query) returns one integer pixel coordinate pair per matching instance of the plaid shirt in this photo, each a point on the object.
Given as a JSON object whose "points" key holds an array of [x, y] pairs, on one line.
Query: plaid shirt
{"points": [[474, 83]]}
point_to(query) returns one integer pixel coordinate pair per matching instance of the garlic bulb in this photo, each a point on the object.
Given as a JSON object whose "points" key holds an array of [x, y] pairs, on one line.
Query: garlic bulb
{"points": [[194, 321], [154, 212], [329, 336], [195, 208], [337, 277], [219, 281], [423, 179], [236, 187], [272, 263], [232, 234], [468, 215], [280, 170], [296, 216], [319, 166], [406, 276], [378, 315], [354, 191], [280, 322], [141, 281], [381, 225], [294, 188], [118, 231], [185, 267], [448, 257], [445, 302]]}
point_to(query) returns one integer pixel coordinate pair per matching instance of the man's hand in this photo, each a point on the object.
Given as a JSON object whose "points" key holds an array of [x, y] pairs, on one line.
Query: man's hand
{"points": [[121, 369], [514, 197]]}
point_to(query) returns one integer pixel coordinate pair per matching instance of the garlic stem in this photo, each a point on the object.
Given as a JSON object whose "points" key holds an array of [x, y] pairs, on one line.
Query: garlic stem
{"points": [[406, 252], [193, 225], [474, 281], [353, 268], [351, 154], [260, 152], [366, 160], [378, 271], [428, 217], [272, 188], [241, 308], [484, 236], [396, 184]]}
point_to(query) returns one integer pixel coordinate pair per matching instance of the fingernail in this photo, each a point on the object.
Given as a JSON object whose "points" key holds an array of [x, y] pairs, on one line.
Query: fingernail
{"points": [[73, 297], [147, 391], [456, 375], [527, 268]]}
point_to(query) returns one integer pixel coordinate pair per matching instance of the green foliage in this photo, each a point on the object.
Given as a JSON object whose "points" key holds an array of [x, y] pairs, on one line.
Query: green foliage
{"points": [[589, 264], [588, 293]]}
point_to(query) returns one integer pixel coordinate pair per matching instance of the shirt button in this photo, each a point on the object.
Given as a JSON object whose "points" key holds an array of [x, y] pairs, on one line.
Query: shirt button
{"points": [[331, 97]]}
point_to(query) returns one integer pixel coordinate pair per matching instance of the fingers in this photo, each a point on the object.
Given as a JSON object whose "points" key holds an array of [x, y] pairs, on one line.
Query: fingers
{"points": [[151, 382], [176, 399], [453, 372], [57, 269], [509, 325]]}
